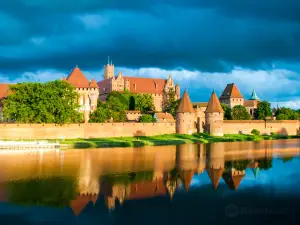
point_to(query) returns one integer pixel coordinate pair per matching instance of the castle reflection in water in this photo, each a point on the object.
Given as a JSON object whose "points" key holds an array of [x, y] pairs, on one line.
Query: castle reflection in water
{"points": [[123, 174]]}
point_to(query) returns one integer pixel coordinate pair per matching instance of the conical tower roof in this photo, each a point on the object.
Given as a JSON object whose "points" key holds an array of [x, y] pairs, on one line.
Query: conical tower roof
{"points": [[94, 199], [233, 181], [77, 79], [215, 176], [185, 104], [231, 91], [93, 83], [254, 96], [79, 204], [186, 178], [214, 104], [255, 171]]}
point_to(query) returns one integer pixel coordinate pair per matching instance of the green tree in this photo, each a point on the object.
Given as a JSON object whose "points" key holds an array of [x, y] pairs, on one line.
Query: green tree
{"points": [[144, 103], [265, 163], [116, 109], [263, 110], [101, 114], [286, 114], [227, 112], [171, 105], [132, 103], [239, 112], [147, 118], [51, 102]]}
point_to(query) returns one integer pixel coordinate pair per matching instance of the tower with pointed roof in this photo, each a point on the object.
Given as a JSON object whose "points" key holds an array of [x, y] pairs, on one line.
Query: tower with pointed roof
{"points": [[215, 155], [254, 96], [214, 116], [232, 96], [185, 115], [88, 91]]}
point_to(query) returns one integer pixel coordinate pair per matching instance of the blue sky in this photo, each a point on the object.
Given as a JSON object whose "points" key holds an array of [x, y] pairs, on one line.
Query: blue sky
{"points": [[203, 44]]}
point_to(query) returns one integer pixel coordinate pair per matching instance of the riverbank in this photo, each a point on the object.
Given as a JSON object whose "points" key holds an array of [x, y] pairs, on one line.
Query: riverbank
{"points": [[168, 139]]}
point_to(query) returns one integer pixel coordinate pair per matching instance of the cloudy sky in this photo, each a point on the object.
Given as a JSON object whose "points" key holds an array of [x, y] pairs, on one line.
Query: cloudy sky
{"points": [[204, 44]]}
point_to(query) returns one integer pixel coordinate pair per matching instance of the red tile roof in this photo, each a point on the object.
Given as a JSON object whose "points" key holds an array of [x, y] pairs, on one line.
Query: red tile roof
{"points": [[231, 91], [215, 176], [186, 178], [214, 104], [164, 117], [146, 85], [77, 79], [185, 104], [4, 90], [93, 84]]}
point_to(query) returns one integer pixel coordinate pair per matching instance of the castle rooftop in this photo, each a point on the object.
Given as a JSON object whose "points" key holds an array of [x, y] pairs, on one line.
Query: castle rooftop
{"points": [[185, 105], [77, 79], [254, 96], [231, 91], [214, 104]]}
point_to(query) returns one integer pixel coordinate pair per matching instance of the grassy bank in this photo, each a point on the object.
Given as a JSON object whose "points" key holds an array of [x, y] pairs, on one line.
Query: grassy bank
{"points": [[168, 139]]}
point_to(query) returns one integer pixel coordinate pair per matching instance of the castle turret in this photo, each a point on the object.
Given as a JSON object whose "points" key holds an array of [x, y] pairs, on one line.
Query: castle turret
{"points": [[214, 116], [254, 96], [109, 70], [185, 115]]}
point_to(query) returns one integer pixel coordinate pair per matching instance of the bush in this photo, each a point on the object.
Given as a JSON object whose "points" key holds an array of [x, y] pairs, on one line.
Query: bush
{"points": [[272, 133], [147, 118], [255, 132]]}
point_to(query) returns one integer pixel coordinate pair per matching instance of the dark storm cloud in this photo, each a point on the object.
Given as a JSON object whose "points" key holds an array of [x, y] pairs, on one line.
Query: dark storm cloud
{"points": [[208, 35]]}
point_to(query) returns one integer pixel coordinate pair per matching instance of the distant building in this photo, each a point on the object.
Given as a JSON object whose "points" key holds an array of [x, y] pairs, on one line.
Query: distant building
{"points": [[164, 117], [157, 87], [88, 91]]}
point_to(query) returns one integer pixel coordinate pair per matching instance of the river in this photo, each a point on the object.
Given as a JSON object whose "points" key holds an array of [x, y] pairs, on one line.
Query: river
{"points": [[239, 182]]}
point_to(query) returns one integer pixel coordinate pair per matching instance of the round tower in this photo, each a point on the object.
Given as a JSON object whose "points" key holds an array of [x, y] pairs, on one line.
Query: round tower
{"points": [[185, 116], [214, 116]]}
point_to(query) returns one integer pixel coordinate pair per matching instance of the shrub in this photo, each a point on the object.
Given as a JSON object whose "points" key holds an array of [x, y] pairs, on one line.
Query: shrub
{"points": [[255, 132], [272, 133], [147, 118]]}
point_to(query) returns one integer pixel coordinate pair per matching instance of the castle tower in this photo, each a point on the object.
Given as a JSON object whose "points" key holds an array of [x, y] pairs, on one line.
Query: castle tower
{"points": [[233, 178], [88, 91], [215, 162], [109, 70], [232, 96], [185, 115], [214, 116], [254, 96]]}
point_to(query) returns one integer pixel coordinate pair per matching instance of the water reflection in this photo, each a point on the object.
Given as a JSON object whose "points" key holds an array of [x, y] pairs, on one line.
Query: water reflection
{"points": [[111, 177]]}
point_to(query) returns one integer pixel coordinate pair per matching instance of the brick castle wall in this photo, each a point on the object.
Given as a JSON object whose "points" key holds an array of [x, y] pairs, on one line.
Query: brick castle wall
{"points": [[285, 127], [88, 130], [102, 130]]}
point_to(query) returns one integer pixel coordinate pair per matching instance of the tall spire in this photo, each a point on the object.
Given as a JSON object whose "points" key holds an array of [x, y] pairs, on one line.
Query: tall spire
{"points": [[254, 96]]}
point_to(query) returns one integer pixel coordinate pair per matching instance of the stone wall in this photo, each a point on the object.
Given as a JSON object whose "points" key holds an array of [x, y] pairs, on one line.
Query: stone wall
{"points": [[88, 130], [285, 127]]}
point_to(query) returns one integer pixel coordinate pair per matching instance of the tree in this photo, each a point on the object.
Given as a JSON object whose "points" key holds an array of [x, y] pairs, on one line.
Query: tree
{"points": [[51, 102], [263, 110], [239, 112], [101, 114], [147, 118], [286, 114], [227, 112], [116, 109], [144, 103], [171, 105]]}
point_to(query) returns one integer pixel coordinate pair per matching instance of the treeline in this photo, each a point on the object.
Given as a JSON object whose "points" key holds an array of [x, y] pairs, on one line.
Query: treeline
{"points": [[262, 112]]}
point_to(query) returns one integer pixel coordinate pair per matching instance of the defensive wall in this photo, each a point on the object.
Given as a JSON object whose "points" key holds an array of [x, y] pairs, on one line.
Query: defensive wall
{"points": [[102, 130], [284, 127], [83, 130]]}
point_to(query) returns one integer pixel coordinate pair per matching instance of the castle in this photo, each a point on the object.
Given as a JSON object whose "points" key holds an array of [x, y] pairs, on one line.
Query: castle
{"points": [[158, 88]]}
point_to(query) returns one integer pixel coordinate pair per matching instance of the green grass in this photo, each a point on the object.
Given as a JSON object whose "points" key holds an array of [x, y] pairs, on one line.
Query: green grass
{"points": [[168, 139]]}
